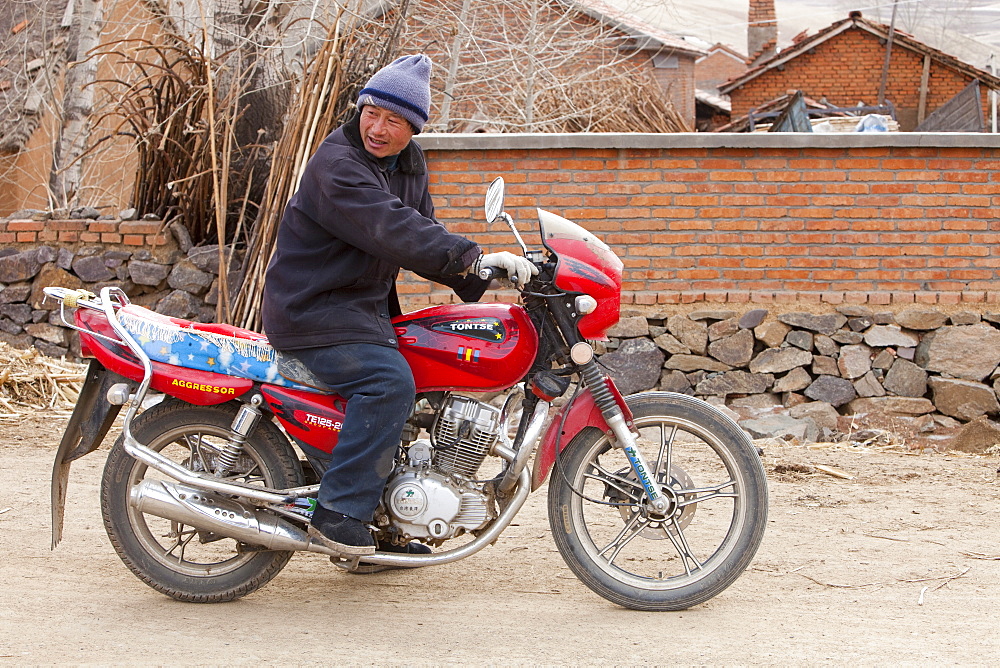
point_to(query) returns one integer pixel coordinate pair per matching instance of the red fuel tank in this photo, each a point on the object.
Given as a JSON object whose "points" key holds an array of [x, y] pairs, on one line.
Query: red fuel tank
{"points": [[474, 347]]}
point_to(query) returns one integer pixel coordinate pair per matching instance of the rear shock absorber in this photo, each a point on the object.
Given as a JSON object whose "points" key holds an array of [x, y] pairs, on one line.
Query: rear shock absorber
{"points": [[244, 422]]}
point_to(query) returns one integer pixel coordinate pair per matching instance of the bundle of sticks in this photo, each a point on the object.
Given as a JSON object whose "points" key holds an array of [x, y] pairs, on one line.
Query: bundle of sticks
{"points": [[30, 381]]}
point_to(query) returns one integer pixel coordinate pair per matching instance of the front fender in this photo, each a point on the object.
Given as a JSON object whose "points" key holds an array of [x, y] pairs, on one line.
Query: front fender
{"points": [[575, 416]]}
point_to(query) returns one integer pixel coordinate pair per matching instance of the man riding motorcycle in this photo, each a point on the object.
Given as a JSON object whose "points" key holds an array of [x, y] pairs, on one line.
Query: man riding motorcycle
{"points": [[362, 212]]}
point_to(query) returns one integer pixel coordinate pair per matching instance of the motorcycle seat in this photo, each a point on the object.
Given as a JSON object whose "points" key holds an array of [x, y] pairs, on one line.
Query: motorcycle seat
{"points": [[214, 347]]}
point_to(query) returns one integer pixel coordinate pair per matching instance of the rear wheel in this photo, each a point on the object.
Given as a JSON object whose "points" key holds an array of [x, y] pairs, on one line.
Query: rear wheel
{"points": [[179, 560], [620, 546]]}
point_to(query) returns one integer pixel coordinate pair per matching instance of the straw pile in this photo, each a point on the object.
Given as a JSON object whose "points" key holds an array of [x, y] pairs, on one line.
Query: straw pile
{"points": [[30, 381]]}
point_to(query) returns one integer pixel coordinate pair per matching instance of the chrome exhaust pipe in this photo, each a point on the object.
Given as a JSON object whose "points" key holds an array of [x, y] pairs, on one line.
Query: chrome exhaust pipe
{"points": [[210, 512]]}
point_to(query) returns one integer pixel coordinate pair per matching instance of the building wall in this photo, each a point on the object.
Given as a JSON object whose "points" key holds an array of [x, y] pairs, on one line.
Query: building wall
{"points": [[883, 218], [888, 218], [716, 68], [847, 69]]}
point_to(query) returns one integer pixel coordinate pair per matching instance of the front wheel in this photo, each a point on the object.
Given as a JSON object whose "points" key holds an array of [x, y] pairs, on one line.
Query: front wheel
{"points": [[182, 561], [620, 546]]}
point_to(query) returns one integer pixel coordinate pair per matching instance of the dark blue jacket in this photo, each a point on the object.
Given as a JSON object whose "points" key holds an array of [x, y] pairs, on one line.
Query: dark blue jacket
{"points": [[345, 234]]}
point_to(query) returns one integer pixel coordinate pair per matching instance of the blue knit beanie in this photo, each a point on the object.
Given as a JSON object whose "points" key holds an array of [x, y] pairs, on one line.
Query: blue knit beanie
{"points": [[403, 87]]}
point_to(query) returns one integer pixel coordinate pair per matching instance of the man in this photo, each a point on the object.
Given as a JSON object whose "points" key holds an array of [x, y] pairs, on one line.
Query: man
{"points": [[363, 211]]}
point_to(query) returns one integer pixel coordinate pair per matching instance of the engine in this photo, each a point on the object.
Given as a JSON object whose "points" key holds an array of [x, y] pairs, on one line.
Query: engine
{"points": [[434, 495]]}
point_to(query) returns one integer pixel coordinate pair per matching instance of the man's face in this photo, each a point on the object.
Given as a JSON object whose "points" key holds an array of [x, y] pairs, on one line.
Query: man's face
{"points": [[384, 133]]}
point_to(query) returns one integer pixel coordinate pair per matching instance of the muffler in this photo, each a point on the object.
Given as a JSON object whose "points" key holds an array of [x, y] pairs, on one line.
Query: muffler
{"points": [[209, 512]]}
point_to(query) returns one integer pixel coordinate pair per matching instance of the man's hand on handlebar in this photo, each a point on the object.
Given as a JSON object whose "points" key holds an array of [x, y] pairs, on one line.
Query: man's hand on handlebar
{"points": [[504, 265]]}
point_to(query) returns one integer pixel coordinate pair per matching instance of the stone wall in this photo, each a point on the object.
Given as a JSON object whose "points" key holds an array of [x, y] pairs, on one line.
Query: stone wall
{"points": [[798, 374], [154, 265]]}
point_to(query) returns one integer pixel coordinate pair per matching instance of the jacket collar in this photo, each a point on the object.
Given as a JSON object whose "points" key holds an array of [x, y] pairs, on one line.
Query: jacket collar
{"points": [[410, 159]]}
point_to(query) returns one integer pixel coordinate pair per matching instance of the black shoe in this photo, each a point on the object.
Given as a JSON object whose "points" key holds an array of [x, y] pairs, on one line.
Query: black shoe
{"points": [[341, 532], [409, 548]]}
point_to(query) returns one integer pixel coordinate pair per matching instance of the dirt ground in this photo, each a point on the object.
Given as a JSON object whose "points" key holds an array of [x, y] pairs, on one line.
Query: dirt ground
{"points": [[900, 564]]}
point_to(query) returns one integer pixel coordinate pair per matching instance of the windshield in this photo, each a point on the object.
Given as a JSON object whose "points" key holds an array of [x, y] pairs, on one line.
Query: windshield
{"points": [[586, 265]]}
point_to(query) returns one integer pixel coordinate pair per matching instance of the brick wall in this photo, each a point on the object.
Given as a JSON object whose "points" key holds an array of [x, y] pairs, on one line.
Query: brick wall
{"points": [[55, 232], [889, 218], [848, 218]]}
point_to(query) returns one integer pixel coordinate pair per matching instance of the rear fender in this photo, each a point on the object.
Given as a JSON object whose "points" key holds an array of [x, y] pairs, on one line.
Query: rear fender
{"points": [[575, 416], [90, 422]]}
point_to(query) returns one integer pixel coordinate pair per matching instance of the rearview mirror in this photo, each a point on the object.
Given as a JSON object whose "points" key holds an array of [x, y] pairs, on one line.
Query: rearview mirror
{"points": [[494, 200]]}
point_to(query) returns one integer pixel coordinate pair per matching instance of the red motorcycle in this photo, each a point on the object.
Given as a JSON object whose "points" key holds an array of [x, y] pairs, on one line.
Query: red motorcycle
{"points": [[657, 501]]}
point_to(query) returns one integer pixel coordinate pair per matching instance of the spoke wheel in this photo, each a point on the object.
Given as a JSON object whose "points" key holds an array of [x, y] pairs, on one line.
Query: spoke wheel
{"points": [[639, 557], [178, 560]]}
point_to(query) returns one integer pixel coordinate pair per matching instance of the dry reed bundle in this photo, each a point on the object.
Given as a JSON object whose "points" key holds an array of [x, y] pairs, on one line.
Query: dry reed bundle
{"points": [[346, 59], [31, 381]]}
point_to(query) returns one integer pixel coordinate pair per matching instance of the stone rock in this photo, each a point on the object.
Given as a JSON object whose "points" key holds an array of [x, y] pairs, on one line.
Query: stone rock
{"points": [[831, 389], [965, 318], [752, 319], [84, 212], [771, 334], [178, 304], [977, 436], [824, 324], [15, 293], [15, 339], [64, 258], [735, 350], [821, 413], [781, 426], [47, 332], [890, 405], [921, 319], [854, 361], [128, 214], [675, 381], [148, 273], [757, 403], [868, 386], [854, 311], [884, 359], [971, 352], [885, 318], [847, 337], [50, 349], [800, 339], [963, 400], [46, 254], [723, 328], [905, 379], [883, 336], [670, 344], [91, 269], [722, 314], [692, 334], [51, 276], [18, 313], [627, 328], [795, 380], [19, 267], [825, 366], [735, 382], [116, 258], [825, 345], [181, 235], [206, 258], [8, 326], [860, 324], [635, 366], [688, 363], [779, 360], [789, 399], [185, 276]]}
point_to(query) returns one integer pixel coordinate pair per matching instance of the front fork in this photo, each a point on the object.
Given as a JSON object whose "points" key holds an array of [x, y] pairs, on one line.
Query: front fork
{"points": [[625, 438]]}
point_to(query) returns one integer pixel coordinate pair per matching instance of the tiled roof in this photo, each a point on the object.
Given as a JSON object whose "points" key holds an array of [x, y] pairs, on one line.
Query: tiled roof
{"points": [[900, 39]]}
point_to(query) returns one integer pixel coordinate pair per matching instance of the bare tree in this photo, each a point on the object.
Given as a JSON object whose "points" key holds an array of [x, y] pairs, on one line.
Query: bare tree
{"points": [[534, 66]]}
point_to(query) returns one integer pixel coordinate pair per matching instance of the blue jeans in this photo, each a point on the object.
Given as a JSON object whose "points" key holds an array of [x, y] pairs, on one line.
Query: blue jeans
{"points": [[378, 385]]}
